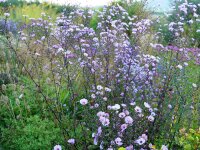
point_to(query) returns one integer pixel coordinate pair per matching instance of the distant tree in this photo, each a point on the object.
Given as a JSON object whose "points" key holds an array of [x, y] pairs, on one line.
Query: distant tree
{"points": [[134, 8]]}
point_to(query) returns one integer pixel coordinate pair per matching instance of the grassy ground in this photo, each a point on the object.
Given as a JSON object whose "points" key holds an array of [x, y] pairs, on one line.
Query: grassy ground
{"points": [[18, 9]]}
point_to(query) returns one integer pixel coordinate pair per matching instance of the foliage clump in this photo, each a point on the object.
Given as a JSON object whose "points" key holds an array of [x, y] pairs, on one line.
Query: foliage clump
{"points": [[34, 133]]}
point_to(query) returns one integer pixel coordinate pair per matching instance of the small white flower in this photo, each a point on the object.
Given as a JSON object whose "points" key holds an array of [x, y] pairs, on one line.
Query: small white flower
{"points": [[128, 120], [23, 38], [21, 96], [7, 14], [99, 114], [123, 105], [150, 145], [186, 64], [146, 65], [123, 127], [164, 147], [107, 89], [96, 105], [170, 106], [71, 141], [57, 147], [153, 114], [105, 98], [43, 38], [85, 54], [191, 107], [126, 112], [93, 96], [97, 93], [43, 14], [130, 147], [118, 141], [116, 107], [104, 121], [2, 1], [180, 67], [116, 44], [122, 94], [109, 107], [147, 105], [150, 110], [132, 103], [145, 137], [138, 109], [194, 85], [99, 87], [95, 39], [122, 115], [101, 93], [83, 101], [37, 54], [151, 118], [140, 115], [190, 21], [60, 50], [140, 141], [68, 52]]}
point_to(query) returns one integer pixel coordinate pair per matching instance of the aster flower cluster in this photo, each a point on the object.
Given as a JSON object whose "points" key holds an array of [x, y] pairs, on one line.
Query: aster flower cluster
{"points": [[109, 63], [124, 94]]}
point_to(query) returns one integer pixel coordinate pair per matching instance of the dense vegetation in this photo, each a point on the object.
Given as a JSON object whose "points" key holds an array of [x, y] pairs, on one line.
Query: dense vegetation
{"points": [[117, 77]]}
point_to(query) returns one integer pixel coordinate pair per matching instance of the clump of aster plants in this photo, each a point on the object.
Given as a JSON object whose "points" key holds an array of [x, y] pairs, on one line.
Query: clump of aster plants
{"points": [[114, 93]]}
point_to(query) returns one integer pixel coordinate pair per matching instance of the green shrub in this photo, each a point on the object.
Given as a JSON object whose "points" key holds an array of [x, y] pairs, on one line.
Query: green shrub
{"points": [[33, 134], [189, 140]]}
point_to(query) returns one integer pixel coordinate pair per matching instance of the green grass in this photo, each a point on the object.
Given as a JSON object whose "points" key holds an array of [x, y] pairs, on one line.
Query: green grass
{"points": [[32, 11]]}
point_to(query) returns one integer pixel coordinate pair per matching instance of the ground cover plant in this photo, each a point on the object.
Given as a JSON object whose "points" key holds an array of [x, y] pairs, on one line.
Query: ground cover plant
{"points": [[112, 78]]}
